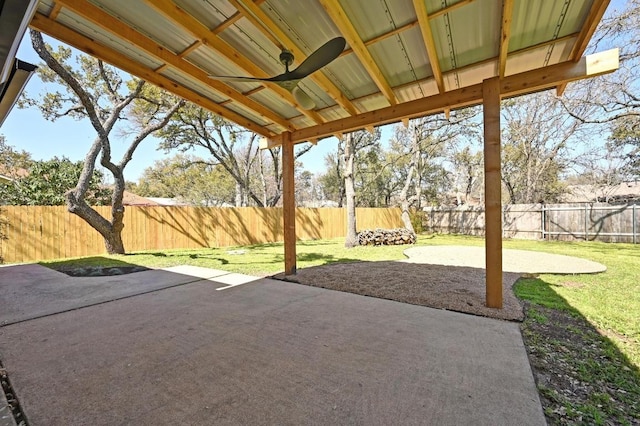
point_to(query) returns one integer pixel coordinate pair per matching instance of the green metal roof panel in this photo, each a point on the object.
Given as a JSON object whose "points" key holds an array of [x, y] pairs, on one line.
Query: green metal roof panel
{"points": [[539, 21], [468, 34]]}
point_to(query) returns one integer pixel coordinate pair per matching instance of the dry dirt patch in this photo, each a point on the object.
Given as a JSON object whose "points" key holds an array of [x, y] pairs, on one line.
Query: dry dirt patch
{"points": [[454, 288]]}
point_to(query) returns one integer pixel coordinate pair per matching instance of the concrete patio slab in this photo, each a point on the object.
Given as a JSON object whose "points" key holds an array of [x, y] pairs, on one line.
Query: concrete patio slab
{"points": [[31, 291], [268, 352]]}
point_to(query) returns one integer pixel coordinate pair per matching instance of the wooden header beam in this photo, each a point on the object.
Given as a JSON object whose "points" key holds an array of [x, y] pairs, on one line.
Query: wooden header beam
{"points": [[594, 18], [513, 85]]}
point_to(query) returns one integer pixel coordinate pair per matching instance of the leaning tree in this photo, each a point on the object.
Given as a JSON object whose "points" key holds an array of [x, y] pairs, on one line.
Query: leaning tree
{"points": [[115, 106]]}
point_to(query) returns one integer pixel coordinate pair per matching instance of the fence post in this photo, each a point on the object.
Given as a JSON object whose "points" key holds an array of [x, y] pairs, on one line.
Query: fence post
{"points": [[634, 222], [542, 207], [586, 229]]}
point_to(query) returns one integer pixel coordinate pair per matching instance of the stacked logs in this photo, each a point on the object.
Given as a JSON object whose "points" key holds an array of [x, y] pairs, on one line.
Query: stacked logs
{"points": [[386, 237]]}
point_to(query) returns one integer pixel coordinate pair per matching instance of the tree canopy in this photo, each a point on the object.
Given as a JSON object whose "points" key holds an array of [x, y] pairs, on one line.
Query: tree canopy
{"points": [[46, 182], [187, 178]]}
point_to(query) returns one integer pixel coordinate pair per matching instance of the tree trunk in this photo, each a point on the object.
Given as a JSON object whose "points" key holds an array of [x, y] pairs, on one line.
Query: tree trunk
{"points": [[110, 231], [113, 243], [350, 192], [238, 202], [404, 199]]}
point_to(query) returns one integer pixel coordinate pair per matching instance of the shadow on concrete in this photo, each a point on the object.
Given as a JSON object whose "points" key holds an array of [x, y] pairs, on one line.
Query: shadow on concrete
{"points": [[33, 291], [93, 267]]}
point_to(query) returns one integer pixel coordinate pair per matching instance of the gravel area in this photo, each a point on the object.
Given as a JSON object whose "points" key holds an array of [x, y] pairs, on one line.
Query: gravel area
{"points": [[518, 261], [446, 277]]}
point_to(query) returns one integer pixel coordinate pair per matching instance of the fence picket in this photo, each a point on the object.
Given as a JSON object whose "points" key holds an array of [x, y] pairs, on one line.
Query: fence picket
{"points": [[41, 233], [601, 222]]}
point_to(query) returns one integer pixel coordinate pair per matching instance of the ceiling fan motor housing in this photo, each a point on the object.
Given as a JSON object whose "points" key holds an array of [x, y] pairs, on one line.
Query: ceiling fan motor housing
{"points": [[286, 58]]}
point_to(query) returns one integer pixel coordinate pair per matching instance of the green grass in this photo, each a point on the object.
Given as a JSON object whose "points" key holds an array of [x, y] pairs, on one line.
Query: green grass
{"points": [[260, 260]]}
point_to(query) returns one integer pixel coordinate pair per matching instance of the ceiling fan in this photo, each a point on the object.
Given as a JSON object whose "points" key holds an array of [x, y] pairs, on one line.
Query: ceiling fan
{"points": [[290, 79]]}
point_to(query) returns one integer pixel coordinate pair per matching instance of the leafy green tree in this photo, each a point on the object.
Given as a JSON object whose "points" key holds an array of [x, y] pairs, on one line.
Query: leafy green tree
{"points": [[373, 181], [189, 179], [307, 188], [12, 161], [101, 94], [46, 182], [370, 174]]}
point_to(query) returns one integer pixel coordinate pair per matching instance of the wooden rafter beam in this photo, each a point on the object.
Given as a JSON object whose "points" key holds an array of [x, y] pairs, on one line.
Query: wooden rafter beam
{"points": [[339, 17], [209, 38], [381, 37], [265, 24], [85, 44], [595, 16], [430, 45], [505, 35], [231, 20], [513, 85], [449, 9], [193, 46], [107, 22], [55, 11]]}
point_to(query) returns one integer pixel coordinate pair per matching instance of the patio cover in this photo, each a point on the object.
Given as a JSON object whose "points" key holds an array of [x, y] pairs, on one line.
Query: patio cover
{"points": [[404, 59], [14, 74]]}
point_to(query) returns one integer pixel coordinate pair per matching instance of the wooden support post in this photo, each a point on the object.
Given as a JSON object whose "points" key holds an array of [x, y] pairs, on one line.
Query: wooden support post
{"points": [[288, 204], [492, 191]]}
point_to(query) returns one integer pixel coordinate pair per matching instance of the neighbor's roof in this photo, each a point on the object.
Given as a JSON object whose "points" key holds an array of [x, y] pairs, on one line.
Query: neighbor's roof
{"points": [[9, 175], [131, 199], [398, 52], [623, 191]]}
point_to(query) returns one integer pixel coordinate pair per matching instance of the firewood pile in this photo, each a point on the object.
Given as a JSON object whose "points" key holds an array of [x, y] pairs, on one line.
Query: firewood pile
{"points": [[386, 237]]}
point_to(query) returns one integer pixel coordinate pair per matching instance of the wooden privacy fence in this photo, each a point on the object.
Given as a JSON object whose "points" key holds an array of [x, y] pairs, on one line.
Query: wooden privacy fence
{"points": [[32, 233], [579, 221]]}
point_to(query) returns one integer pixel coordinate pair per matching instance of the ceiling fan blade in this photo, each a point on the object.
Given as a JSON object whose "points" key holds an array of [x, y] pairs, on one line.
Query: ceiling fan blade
{"points": [[318, 59], [303, 98]]}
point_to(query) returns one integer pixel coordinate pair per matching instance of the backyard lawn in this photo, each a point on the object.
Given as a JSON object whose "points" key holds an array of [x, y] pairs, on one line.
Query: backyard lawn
{"points": [[582, 332]]}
